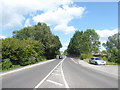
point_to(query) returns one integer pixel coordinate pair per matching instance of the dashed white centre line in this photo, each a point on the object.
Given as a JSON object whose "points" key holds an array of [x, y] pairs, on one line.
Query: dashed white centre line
{"points": [[55, 82]]}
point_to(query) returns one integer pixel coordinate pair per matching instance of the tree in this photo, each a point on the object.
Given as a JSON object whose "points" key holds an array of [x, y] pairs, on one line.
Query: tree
{"points": [[21, 52], [83, 42], [112, 47], [111, 43], [41, 32], [92, 39], [65, 53], [74, 47]]}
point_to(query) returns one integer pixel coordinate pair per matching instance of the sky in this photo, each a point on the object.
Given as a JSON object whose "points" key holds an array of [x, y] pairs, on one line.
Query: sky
{"points": [[63, 16]]}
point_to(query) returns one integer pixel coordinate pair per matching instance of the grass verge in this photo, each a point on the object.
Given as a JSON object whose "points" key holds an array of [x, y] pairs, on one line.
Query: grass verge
{"points": [[15, 66]]}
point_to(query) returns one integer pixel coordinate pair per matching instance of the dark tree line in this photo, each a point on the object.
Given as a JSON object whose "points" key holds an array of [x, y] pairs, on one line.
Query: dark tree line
{"points": [[84, 43], [30, 45]]}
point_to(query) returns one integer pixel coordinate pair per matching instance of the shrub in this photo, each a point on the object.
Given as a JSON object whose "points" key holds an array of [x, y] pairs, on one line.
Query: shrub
{"points": [[6, 64], [85, 56], [105, 58]]}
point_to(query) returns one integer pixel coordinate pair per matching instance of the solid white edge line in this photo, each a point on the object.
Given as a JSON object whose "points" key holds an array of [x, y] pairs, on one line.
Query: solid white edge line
{"points": [[65, 82], [47, 76], [73, 60], [55, 82], [30, 66]]}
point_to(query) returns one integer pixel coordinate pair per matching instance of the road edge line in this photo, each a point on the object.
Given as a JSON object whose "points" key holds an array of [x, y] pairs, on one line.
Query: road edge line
{"points": [[65, 82], [73, 60], [47, 76], [22, 68]]}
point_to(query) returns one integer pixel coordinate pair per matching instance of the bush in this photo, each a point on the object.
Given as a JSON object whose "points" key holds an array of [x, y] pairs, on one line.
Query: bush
{"points": [[105, 58], [85, 56], [6, 64], [21, 52]]}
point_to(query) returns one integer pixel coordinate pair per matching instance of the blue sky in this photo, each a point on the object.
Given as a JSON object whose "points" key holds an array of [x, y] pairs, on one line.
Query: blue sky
{"points": [[64, 18]]}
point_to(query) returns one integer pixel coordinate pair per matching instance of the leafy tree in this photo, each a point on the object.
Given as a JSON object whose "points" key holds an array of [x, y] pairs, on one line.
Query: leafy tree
{"points": [[92, 39], [21, 52], [75, 44], [112, 47], [29, 45], [65, 53], [41, 32], [83, 42], [112, 42]]}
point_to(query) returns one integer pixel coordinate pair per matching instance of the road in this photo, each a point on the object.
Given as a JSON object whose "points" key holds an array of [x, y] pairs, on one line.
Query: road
{"points": [[60, 73]]}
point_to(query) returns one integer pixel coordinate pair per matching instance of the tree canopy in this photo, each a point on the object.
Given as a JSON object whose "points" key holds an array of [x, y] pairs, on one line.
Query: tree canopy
{"points": [[41, 32], [83, 42], [29, 45], [112, 47]]}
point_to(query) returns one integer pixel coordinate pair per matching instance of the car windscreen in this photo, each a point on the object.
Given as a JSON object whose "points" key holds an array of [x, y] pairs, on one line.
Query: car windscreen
{"points": [[98, 59]]}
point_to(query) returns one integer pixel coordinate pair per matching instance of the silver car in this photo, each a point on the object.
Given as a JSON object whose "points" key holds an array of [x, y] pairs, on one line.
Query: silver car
{"points": [[97, 61]]}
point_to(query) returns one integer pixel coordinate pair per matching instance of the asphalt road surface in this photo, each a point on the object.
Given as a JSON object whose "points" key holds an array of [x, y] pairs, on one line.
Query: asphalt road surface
{"points": [[60, 73]]}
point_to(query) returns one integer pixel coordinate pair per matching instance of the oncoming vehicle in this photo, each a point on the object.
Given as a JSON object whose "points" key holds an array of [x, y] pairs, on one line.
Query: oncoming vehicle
{"points": [[97, 61], [59, 57]]}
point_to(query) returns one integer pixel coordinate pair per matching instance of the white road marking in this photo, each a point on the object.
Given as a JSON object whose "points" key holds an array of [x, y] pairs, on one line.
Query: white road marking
{"points": [[26, 67], [38, 85], [56, 83], [56, 74], [65, 82], [73, 61], [57, 71]]}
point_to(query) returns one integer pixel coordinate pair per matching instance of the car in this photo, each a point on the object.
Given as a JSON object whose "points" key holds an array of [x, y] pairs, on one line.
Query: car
{"points": [[60, 57], [97, 61]]}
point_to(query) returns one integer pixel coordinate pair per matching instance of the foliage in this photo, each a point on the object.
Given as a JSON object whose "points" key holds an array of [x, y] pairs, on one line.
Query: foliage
{"points": [[21, 52], [112, 48], [41, 32], [86, 56], [104, 51], [104, 58], [65, 53], [92, 40], [112, 42], [6, 64], [75, 46], [83, 42], [28, 46]]}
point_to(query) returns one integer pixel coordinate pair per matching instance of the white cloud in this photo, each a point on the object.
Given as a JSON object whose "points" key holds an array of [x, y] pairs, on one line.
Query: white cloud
{"points": [[60, 15], [3, 37], [27, 23], [104, 34], [55, 12], [107, 32], [64, 28], [64, 46], [13, 11]]}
